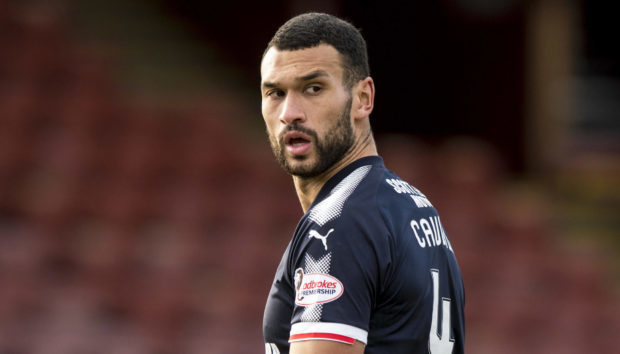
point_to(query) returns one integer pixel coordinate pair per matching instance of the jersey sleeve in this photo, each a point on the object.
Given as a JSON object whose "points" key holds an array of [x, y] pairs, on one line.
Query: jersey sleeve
{"points": [[337, 274]]}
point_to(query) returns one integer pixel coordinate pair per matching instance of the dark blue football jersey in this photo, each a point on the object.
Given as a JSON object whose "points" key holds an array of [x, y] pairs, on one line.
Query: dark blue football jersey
{"points": [[369, 261]]}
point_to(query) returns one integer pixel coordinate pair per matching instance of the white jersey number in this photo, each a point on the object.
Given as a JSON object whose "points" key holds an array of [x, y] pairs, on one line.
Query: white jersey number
{"points": [[271, 348], [440, 344]]}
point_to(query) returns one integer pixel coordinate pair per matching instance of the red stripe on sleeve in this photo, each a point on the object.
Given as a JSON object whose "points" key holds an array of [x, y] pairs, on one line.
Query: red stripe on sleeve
{"points": [[328, 336]]}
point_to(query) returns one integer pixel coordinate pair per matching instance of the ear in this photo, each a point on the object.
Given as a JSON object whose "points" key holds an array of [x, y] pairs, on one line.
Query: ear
{"points": [[363, 98]]}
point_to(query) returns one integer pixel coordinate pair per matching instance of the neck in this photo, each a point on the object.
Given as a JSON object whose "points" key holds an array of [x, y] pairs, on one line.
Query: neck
{"points": [[308, 188]]}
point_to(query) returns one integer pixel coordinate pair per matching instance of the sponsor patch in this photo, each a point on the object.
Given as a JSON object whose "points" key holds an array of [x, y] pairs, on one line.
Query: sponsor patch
{"points": [[316, 288]]}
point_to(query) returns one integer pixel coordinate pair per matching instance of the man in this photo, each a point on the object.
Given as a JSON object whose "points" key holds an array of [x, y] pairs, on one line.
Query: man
{"points": [[369, 268]]}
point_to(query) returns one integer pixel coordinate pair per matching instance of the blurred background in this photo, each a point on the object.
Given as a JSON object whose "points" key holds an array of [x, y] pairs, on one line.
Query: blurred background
{"points": [[141, 210]]}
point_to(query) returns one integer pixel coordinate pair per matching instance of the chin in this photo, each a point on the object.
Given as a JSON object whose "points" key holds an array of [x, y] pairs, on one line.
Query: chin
{"points": [[301, 169]]}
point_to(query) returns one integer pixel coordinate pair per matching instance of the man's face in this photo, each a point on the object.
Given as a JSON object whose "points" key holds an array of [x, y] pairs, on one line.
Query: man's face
{"points": [[306, 108]]}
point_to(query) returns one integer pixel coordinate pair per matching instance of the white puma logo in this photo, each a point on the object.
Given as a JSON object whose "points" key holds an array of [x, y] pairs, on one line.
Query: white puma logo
{"points": [[323, 239]]}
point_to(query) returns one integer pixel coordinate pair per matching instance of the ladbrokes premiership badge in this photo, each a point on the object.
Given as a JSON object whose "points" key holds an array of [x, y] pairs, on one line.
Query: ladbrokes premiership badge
{"points": [[316, 288]]}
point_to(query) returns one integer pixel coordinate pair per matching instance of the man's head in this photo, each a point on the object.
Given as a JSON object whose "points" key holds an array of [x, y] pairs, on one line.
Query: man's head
{"points": [[312, 29], [316, 93]]}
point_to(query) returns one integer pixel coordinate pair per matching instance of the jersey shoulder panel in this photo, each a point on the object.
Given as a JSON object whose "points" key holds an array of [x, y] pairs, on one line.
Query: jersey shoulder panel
{"points": [[340, 244]]}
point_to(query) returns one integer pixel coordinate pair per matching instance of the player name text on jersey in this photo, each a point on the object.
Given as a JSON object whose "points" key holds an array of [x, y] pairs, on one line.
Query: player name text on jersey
{"points": [[430, 232]]}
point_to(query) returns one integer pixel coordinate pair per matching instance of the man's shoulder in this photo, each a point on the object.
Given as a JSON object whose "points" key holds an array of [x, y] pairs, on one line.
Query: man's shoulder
{"points": [[345, 189], [370, 191], [397, 189], [381, 185]]}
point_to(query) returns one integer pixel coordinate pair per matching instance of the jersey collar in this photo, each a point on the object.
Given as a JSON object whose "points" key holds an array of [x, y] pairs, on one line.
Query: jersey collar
{"points": [[335, 179]]}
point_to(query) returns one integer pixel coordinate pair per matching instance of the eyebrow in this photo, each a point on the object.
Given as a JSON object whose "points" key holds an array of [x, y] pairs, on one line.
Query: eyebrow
{"points": [[308, 77], [313, 75]]}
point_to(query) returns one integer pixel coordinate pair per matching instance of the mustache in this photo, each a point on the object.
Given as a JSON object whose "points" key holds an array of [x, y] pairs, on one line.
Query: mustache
{"points": [[297, 128]]}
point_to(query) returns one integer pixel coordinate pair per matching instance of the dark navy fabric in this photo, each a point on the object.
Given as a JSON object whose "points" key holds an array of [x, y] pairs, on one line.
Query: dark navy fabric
{"points": [[385, 245]]}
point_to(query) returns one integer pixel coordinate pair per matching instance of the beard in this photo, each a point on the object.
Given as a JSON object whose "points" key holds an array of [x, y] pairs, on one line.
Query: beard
{"points": [[329, 149]]}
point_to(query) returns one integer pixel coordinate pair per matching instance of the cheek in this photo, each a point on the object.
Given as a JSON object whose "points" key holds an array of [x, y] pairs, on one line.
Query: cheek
{"points": [[329, 116], [269, 125], [267, 119], [269, 113]]}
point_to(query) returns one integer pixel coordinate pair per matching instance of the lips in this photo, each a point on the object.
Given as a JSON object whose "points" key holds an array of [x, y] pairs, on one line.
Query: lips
{"points": [[297, 143]]}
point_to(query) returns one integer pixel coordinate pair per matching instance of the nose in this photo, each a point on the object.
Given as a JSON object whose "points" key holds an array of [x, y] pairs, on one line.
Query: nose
{"points": [[292, 110]]}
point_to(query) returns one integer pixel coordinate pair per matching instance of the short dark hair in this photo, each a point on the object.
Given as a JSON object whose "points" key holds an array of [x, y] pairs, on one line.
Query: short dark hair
{"points": [[312, 29]]}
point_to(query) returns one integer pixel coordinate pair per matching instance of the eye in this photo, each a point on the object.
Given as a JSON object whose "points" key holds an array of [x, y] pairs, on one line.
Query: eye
{"points": [[313, 89], [275, 93]]}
